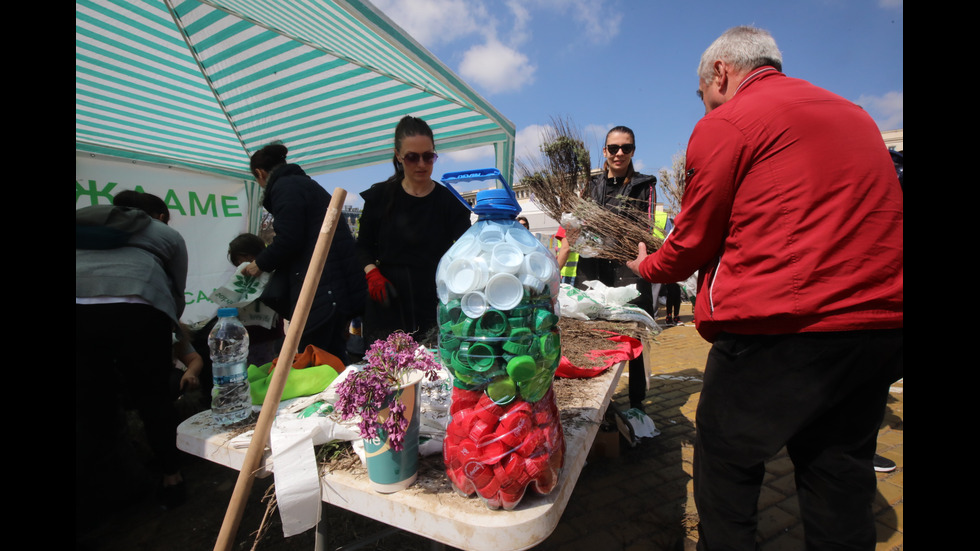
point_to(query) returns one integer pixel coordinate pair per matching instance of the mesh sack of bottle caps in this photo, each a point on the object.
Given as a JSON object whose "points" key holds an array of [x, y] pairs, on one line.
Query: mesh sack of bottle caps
{"points": [[498, 336]]}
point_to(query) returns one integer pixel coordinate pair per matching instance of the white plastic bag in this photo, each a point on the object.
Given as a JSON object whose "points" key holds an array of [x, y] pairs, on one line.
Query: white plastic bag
{"points": [[240, 290]]}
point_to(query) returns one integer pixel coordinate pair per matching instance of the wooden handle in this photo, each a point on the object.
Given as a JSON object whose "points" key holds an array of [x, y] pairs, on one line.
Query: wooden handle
{"points": [[256, 448]]}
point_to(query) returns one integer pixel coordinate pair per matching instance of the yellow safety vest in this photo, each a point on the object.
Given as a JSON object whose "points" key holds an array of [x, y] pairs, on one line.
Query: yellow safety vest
{"points": [[570, 269]]}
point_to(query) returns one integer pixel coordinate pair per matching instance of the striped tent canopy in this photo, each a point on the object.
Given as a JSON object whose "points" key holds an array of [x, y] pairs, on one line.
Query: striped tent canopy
{"points": [[206, 83]]}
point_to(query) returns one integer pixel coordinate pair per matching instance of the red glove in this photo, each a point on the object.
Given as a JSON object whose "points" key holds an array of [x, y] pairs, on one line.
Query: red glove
{"points": [[377, 286]]}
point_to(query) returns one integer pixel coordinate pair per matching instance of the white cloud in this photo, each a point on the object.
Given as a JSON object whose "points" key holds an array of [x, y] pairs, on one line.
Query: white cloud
{"points": [[599, 19], [472, 155], [528, 140], [496, 67], [887, 110], [433, 22]]}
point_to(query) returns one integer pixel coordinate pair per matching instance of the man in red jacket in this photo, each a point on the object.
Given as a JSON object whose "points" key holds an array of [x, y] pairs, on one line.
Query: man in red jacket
{"points": [[793, 215]]}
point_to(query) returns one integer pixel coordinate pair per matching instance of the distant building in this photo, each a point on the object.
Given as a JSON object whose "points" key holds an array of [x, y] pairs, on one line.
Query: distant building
{"points": [[893, 140]]}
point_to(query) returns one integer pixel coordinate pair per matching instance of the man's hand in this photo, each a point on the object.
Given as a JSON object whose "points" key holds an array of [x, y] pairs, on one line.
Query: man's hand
{"points": [[640, 257]]}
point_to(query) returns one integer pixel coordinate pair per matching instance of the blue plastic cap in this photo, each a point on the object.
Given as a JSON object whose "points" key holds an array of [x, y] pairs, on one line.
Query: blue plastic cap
{"points": [[227, 312], [496, 203]]}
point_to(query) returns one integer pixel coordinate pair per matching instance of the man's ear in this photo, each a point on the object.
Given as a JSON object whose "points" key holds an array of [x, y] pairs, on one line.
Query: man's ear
{"points": [[720, 70]]}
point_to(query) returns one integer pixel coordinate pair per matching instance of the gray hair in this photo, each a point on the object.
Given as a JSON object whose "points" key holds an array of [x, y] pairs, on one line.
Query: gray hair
{"points": [[744, 48]]}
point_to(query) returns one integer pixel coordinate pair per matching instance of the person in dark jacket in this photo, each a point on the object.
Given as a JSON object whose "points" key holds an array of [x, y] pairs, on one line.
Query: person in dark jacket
{"points": [[130, 273], [298, 205], [621, 189], [407, 224]]}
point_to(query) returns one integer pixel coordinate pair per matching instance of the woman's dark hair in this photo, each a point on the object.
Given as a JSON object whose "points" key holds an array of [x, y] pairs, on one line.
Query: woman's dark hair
{"points": [[268, 158], [146, 202], [246, 244], [407, 127]]}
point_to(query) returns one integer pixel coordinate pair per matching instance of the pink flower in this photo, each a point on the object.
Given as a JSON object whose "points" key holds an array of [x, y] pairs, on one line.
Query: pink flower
{"points": [[367, 392]]}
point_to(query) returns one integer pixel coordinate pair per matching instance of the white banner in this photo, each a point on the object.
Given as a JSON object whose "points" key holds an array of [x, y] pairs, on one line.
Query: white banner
{"points": [[208, 210]]}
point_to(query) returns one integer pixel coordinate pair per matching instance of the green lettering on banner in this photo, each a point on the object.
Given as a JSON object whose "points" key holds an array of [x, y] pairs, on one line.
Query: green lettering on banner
{"points": [[93, 192], [192, 298], [228, 203], [209, 205], [173, 203]]}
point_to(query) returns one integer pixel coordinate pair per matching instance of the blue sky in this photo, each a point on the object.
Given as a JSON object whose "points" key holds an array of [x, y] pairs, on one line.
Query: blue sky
{"points": [[602, 63]]}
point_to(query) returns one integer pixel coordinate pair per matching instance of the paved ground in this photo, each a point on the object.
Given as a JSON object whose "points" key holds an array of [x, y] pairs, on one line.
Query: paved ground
{"points": [[633, 499]]}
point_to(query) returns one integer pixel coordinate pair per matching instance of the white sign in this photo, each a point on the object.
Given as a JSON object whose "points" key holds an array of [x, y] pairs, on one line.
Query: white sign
{"points": [[208, 210]]}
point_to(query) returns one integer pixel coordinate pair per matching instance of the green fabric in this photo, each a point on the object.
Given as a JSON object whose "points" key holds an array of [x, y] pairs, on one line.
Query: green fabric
{"points": [[300, 382]]}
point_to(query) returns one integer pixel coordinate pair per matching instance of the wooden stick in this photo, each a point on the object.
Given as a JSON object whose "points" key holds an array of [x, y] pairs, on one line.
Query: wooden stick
{"points": [[256, 448]]}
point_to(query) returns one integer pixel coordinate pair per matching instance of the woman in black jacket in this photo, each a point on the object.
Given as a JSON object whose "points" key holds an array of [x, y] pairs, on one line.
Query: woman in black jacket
{"points": [[298, 205], [408, 223], [621, 189]]}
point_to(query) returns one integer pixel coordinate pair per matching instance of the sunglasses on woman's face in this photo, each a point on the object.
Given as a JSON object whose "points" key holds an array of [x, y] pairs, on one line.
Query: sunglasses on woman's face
{"points": [[428, 157], [614, 149]]}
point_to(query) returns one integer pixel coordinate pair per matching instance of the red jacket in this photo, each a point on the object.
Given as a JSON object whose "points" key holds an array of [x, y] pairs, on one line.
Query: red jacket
{"points": [[792, 213]]}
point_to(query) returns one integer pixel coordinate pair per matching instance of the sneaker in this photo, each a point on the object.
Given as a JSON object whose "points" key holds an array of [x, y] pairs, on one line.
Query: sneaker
{"points": [[643, 426], [883, 464]]}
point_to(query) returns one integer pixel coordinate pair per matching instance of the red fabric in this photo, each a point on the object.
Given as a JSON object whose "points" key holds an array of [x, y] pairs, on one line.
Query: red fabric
{"points": [[376, 285], [793, 215], [626, 348]]}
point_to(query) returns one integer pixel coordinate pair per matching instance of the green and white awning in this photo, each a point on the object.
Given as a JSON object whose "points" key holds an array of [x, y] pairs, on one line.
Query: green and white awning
{"points": [[204, 84]]}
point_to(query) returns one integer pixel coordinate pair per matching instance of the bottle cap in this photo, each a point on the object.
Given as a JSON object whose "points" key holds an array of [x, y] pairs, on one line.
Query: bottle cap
{"points": [[502, 390], [465, 247], [464, 328], [466, 274], [506, 258], [521, 238], [539, 265], [227, 312], [522, 368], [449, 311], [534, 389], [519, 341], [532, 283], [480, 356], [460, 365], [490, 236], [493, 323], [492, 449], [504, 291], [473, 304], [544, 320], [550, 346]]}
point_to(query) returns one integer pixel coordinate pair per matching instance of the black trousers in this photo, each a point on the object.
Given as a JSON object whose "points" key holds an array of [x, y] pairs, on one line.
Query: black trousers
{"points": [[123, 352], [613, 274], [673, 293], [822, 396]]}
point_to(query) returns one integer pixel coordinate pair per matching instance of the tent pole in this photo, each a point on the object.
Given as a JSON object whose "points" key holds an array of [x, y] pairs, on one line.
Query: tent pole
{"points": [[256, 448]]}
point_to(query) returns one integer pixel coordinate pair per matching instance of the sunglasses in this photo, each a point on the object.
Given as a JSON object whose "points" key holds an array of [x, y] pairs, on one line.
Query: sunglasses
{"points": [[614, 149], [428, 157]]}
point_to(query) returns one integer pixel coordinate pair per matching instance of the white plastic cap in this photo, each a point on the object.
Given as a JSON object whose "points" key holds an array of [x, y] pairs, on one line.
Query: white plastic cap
{"points": [[506, 258], [504, 291]]}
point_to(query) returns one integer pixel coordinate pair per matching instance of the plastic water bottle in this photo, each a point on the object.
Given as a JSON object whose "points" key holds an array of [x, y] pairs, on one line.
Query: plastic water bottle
{"points": [[228, 341]]}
